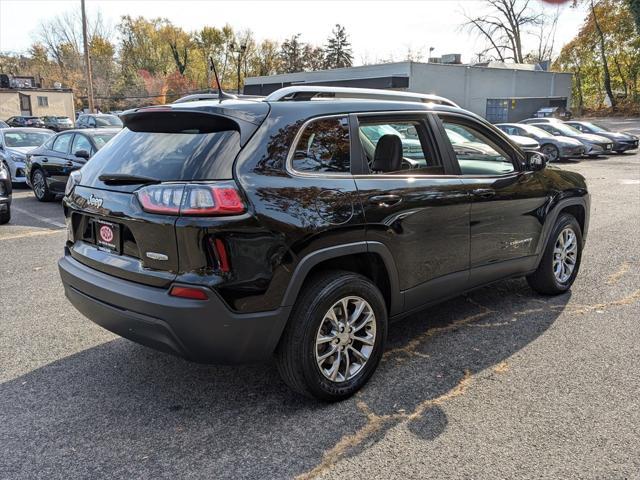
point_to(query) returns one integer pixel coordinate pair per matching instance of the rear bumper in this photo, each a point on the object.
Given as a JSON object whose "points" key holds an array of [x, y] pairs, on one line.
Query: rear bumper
{"points": [[202, 331]]}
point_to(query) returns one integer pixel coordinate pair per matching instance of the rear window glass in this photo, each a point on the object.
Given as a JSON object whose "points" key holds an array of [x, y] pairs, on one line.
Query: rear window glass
{"points": [[323, 147], [165, 156], [110, 121]]}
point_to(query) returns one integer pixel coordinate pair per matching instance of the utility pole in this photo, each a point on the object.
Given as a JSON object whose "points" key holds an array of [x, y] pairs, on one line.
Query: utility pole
{"points": [[87, 60]]}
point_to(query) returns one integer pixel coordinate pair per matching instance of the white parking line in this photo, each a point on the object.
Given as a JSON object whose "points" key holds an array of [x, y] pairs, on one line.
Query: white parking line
{"points": [[38, 217]]}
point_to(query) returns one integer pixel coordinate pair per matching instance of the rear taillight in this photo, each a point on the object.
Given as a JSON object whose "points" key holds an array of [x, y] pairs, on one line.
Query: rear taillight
{"points": [[204, 199]]}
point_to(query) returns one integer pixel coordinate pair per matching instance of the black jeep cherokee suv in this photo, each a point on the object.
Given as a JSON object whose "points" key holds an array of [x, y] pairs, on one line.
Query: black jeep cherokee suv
{"points": [[231, 231]]}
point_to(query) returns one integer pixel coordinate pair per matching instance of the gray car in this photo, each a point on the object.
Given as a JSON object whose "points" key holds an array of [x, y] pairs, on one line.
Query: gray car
{"points": [[541, 120], [554, 147], [595, 144], [15, 143], [621, 141]]}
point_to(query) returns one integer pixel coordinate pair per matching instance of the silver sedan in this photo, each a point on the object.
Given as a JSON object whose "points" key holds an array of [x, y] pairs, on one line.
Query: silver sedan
{"points": [[15, 143], [554, 147]]}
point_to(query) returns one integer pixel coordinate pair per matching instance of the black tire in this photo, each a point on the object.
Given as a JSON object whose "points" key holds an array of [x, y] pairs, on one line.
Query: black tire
{"points": [[620, 152], [296, 352], [544, 280], [42, 194], [5, 216], [551, 151]]}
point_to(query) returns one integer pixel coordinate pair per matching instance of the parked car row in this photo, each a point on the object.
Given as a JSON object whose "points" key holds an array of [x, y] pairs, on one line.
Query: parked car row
{"points": [[58, 123], [44, 160], [560, 140]]}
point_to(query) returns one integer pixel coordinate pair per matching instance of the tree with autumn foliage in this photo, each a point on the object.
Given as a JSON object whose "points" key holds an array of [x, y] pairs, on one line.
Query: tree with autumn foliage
{"points": [[604, 58]]}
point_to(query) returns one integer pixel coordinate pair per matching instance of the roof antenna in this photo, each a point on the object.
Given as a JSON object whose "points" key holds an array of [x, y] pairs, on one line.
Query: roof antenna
{"points": [[221, 94]]}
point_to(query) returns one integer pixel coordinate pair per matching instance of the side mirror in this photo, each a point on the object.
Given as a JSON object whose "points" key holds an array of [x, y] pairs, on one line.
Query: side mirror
{"points": [[82, 154], [536, 161]]}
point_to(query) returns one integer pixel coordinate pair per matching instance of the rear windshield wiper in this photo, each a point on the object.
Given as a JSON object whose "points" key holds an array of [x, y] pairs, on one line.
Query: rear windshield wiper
{"points": [[126, 179]]}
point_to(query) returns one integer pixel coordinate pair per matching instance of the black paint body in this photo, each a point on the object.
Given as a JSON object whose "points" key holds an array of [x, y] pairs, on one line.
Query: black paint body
{"points": [[445, 234]]}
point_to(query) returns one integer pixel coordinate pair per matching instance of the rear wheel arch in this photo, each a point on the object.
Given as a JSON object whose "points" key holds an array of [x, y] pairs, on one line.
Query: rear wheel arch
{"points": [[369, 259]]}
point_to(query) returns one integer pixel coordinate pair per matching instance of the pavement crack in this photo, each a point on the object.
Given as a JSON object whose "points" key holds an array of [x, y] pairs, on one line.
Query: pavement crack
{"points": [[375, 423], [618, 274]]}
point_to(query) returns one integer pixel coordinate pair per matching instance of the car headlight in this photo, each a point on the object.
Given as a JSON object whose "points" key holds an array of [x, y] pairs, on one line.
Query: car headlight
{"points": [[4, 173], [74, 179], [16, 158]]}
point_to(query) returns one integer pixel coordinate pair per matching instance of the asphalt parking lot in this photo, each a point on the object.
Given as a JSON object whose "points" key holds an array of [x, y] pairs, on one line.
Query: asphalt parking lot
{"points": [[501, 383]]}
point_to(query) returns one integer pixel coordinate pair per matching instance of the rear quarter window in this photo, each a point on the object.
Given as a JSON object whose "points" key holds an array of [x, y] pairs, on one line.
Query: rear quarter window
{"points": [[323, 147], [165, 156]]}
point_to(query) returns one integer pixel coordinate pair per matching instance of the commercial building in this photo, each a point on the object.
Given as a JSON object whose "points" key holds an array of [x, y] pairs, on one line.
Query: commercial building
{"points": [[496, 91], [36, 101]]}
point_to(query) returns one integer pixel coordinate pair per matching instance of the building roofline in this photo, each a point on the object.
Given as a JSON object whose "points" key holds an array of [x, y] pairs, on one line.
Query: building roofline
{"points": [[23, 90]]}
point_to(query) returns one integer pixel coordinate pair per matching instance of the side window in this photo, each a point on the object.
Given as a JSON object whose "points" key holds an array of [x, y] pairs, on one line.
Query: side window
{"points": [[61, 144], [397, 146], [80, 142], [323, 147], [477, 154]]}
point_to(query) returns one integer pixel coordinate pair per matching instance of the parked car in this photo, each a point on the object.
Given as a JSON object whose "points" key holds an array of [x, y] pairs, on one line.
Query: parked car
{"points": [[48, 167], [621, 141], [57, 123], [595, 145], [25, 121], [540, 120], [5, 194], [555, 148], [98, 120], [233, 231], [553, 112], [15, 143]]}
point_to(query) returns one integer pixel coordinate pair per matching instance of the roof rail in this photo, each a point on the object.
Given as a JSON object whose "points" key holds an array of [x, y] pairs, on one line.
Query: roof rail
{"points": [[301, 93], [214, 96]]}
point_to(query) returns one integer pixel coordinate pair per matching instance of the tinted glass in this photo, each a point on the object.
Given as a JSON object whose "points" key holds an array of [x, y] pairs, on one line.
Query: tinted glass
{"points": [[80, 142], [108, 121], [476, 153], [415, 153], [323, 147], [101, 138], [25, 139], [164, 156], [61, 144]]}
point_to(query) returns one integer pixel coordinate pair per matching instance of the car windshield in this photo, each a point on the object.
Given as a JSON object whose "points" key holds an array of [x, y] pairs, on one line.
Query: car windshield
{"points": [[108, 121], [61, 118], [533, 130], [566, 129], [594, 127], [25, 139], [101, 138]]}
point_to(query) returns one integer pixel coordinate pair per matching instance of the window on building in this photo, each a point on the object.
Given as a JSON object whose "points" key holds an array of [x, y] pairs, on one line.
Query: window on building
{"points": [[497, 110], [43, 101]]}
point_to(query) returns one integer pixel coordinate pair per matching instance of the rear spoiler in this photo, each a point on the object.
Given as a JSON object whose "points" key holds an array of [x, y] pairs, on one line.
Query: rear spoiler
{"points": [[163, 119]]}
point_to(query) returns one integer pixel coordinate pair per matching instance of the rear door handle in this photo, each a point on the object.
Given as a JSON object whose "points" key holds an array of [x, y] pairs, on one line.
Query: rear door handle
{"points": [[484, 192], [385, 200]]}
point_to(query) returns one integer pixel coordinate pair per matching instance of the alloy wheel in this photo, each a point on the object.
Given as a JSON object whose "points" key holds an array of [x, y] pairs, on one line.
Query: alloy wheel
{"points": [[565, 254], [38, 184], [345, 339], [551, 152]]}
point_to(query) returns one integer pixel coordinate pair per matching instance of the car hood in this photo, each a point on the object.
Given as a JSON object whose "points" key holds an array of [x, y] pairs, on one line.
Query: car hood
{"points": [[616, 135], [524, 141], [590, 137], [574, 142], [22, 151]]}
